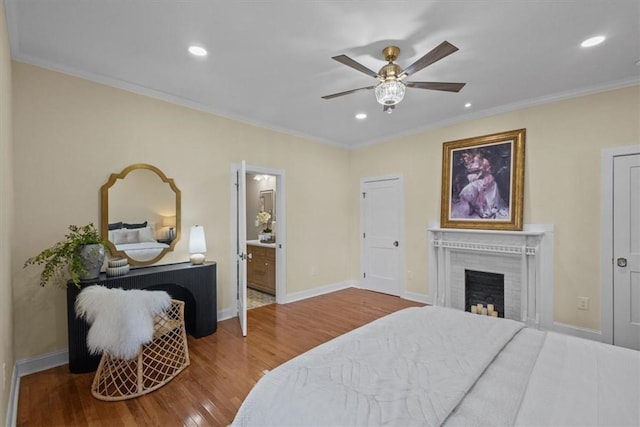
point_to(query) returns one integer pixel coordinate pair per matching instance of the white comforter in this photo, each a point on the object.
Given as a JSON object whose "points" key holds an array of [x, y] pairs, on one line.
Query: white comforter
{"points": [[410, 368], [431, 366], [142, 251]]}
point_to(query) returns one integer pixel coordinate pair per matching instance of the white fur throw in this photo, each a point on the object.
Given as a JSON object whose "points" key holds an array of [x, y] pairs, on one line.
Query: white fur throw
{"points": [[121, 321]]}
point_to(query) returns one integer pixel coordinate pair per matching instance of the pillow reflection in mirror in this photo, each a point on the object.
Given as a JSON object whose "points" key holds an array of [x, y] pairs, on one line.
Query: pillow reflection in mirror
{"points": [[125, 236], [146, 234], [130, 226]]}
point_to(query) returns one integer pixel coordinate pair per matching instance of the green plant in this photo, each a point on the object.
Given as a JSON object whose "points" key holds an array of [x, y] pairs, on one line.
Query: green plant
{"points": [[64, 254]]}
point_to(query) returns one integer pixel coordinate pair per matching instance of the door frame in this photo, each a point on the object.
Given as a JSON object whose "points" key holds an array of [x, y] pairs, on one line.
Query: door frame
{"points": [[401, 251], [280, 229], [606, 236]]}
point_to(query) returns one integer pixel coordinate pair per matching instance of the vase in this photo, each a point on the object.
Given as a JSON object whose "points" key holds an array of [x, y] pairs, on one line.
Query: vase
{"points": [[264, 237], [92, 257]]}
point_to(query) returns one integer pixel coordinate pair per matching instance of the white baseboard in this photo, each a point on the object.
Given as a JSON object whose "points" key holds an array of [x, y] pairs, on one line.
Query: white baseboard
{"points": [[297, 296], [28, 366], [42, 362], [576, 331], [14, 392], [411, 296], [227, 313]]}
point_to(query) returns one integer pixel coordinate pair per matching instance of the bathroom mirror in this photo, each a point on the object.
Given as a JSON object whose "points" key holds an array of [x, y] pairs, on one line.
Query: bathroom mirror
{"points": [[267, 203], [140, 214]]}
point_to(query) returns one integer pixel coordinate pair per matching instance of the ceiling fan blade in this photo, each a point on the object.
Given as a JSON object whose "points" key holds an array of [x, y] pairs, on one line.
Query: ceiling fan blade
{"points": [[442, 50], [335, 95], [447, 87], [344, 59]]}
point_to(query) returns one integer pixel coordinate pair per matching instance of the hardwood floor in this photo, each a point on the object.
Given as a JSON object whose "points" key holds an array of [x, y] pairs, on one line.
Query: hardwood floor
{"points": [[224, 367]]}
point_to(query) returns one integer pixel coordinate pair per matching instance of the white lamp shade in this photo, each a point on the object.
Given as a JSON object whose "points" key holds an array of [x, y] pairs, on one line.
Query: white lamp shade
{"points": [[197, 243]]}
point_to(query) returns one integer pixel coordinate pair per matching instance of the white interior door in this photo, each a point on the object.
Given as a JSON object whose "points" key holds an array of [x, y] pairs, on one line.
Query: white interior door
{"points": [[626, 251], [382, 216], [241, 249]]}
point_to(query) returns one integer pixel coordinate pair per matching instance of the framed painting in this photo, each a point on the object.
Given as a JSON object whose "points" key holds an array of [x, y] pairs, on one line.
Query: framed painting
{"points": [[483, 182]]}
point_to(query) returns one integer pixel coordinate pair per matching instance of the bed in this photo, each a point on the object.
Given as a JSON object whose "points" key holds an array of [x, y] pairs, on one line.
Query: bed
{"points": [[138, 241], [432, 366]]}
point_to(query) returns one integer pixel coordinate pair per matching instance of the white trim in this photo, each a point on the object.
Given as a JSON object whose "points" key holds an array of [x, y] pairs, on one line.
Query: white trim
{"points": [[233, 238], [503, 109], [412, 296], [167, 97], [577, 331], [401, 231], [606, 236], [537, 309], [42, 362], [227, 313], [29, 366], [310, 293], [14, 393]]}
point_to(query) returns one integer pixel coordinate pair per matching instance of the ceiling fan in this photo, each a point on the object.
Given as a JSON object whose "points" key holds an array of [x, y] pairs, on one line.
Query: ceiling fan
{"points": [[390, 90]]}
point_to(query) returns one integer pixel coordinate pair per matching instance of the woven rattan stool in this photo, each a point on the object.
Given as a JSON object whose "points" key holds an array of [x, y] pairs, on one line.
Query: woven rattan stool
{"points": [[157, 363]]}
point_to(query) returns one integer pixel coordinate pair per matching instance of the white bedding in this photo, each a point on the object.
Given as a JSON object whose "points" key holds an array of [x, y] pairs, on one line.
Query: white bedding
{"points": [[577, 382], [429, 366], [142, 251]]}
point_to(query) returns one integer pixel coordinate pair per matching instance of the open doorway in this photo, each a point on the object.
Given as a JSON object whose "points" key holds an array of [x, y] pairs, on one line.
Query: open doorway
{"points": [[261, 221], [243, 221]]}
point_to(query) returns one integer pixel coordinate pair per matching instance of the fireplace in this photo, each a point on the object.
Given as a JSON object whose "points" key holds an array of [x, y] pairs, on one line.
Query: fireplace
{"points": [[482, 287], [520, 261]]}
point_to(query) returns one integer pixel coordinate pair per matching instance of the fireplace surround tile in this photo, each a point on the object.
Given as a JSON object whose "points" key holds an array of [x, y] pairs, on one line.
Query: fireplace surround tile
{"points": [[525, 258]]}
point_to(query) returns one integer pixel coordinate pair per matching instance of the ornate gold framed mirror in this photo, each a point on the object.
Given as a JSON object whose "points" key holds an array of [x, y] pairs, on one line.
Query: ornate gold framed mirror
{"points": [[140, 214]]}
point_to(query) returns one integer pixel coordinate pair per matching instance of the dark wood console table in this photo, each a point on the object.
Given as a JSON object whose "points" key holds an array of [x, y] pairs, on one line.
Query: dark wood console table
{"points": [[194, 284]]}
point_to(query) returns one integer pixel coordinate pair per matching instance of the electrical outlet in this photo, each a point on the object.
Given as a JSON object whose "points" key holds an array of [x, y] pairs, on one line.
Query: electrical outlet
{"points": [[314, 271], [409, 275], [583, 303]]}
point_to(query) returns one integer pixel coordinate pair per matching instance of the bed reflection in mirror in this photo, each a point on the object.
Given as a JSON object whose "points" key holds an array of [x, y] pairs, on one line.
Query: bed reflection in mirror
{"points": [[140, 214]]}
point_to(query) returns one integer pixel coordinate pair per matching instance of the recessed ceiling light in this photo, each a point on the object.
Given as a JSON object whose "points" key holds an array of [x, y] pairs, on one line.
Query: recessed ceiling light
{"points": [[467, 105], [361, 116], [593, 41], [197, 51]]}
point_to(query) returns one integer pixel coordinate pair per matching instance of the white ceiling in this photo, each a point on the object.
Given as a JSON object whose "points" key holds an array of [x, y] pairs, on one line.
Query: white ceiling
{"points": [[270, 62]]}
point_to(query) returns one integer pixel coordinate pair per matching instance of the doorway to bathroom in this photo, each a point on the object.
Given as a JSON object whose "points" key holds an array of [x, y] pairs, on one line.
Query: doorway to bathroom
{"points": [[258, 235], [261, 221]]}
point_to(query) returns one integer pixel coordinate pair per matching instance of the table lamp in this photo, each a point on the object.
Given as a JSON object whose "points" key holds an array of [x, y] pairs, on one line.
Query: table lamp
{"points": [[197, 245]]}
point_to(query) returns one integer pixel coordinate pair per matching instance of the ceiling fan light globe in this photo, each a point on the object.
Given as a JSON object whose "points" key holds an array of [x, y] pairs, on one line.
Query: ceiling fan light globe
{"points": [[390, 92]]}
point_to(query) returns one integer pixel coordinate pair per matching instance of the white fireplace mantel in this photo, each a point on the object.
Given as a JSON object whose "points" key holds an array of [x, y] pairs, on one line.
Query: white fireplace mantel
{"points": [[527, 256]]}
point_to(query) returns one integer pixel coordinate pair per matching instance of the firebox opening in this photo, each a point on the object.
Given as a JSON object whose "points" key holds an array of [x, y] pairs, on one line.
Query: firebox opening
{"points": [[481, 287]]}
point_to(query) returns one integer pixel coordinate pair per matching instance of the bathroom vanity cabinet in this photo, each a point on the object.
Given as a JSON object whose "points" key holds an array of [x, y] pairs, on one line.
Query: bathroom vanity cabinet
{"points": [[261, 267]]}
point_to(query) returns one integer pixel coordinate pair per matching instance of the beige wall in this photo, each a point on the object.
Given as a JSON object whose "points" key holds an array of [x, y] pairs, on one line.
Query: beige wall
{"points": [[71, 134], [6, 217], [562, 185]]}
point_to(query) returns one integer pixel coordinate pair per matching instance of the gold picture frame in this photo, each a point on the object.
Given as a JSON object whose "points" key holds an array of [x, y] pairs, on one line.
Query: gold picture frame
{"points": [[483, 182]]}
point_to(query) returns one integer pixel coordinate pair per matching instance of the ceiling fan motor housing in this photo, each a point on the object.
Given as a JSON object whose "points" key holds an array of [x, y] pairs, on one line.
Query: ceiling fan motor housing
{"points": [[390, 71]]}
